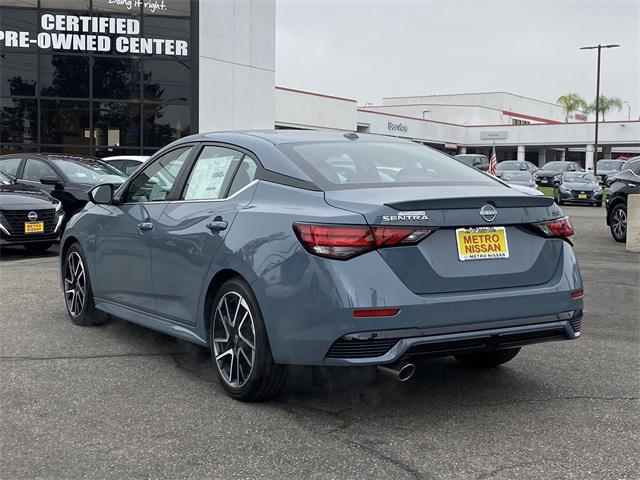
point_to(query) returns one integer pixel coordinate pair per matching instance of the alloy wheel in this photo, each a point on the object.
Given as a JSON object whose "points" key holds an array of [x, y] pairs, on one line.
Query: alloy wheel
{"points": [[75, 284], [234, 339], [619, 222]]}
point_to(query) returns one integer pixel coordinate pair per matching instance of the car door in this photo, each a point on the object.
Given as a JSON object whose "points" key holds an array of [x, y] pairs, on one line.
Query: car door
{"points": [[192, 229], [123, 239]]}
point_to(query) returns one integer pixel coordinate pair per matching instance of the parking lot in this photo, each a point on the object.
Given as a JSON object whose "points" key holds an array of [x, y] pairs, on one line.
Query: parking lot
{"points": [[120, 401]]}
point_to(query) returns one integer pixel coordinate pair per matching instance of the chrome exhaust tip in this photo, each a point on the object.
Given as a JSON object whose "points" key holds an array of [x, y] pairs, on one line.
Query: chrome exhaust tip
{"points": [[400, 370]]}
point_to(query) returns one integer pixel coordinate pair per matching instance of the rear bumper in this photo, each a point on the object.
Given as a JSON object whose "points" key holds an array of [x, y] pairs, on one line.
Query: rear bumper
{"points": [[374, 348], [308, 306]]}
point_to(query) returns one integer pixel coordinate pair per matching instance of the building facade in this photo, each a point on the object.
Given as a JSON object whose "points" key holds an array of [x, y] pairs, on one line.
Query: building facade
{"points": [[109, 77]]}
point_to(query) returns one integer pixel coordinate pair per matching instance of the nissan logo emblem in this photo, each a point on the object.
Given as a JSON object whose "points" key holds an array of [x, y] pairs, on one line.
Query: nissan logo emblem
{"points": [[488, 213], [33, 216]]}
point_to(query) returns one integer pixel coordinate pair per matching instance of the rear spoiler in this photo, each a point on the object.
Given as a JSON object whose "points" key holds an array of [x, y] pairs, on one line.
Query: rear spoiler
{"points": [[472, 202]]}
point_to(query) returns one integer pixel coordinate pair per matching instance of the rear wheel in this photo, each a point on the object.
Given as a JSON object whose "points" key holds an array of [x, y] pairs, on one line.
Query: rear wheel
{"points": [[38, 247], [488, 359], [78, 296], [618, 223], [239, 345]]}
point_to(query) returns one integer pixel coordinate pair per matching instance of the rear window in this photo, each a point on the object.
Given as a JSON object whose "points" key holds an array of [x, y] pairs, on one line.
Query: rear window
{"points": [[351, 164]]}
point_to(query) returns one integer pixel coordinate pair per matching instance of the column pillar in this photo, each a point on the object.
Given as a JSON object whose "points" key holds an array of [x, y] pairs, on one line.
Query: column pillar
{"points": [[606, 151], [563, 155], [588, 160], [542, 156], [462, 150], [520, 153]]}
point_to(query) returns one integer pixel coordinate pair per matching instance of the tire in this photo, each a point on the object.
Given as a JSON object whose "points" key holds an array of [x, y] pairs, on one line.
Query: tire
{"points": [[39, 247], [488, 359], [618, 222], [238, 341], [78, 295], [599, 204], [558, 201]]}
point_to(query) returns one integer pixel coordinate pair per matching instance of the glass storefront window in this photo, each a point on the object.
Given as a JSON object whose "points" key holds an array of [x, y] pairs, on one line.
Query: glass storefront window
{"points": [[64, 76], [18, 75], [165, 123], [66, 4], [64, 122], [167, 81], [19, 120], [116, 78], [97, 101], [176, 8], [161, 27], [18, 20], [116, 124]]}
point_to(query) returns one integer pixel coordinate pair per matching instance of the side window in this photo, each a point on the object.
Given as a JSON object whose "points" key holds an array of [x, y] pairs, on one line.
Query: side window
{"points": [[10, 165], [635, 167], [117, 164], [244, 176], [34, 170], [130, 167], [211, 173], [154, 183]]}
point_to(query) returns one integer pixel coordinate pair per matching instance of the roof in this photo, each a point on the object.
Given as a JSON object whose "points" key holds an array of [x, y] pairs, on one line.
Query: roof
{"points": [[278, 137]]}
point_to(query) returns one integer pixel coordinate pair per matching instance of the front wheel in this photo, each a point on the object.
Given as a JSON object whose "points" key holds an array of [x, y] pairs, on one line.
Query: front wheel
{"points": [[488, 359], [618, 223], [78, 296], [239, 345]]}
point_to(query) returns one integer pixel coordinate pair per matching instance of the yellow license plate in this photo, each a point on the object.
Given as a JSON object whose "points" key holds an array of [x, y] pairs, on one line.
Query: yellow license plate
{"points": [[482, 243], [34, 227], [582, 196]]}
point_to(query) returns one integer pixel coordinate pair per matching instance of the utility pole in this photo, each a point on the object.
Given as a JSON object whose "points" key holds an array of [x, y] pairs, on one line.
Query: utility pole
{"points": [[595, 150]]}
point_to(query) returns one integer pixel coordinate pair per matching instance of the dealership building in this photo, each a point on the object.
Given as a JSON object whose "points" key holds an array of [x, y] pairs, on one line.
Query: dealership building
{"points": [[109, 77]]}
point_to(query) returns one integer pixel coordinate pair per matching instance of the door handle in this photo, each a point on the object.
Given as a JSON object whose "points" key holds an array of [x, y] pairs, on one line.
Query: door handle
{"points": [[145, 226], [217, 225]]}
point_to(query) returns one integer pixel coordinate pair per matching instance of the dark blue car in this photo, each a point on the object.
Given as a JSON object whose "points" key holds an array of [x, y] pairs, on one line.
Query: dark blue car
{"points": [[316, 248]]}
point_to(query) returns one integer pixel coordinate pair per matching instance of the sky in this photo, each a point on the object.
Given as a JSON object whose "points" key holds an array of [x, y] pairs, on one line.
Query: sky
{"points": [[367, 50]]}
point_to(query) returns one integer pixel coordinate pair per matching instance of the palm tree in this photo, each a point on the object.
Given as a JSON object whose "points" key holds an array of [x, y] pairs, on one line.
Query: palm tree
{"points": [[571, 102], [606, 104]]}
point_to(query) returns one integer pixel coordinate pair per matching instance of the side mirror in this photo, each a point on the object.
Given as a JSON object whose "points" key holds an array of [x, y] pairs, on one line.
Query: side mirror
{"points": [[102, 194], [51, 181]]}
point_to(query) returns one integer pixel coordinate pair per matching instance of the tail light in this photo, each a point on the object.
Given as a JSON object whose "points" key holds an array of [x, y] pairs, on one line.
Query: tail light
{"points": [[342, 242], [560, 228]]}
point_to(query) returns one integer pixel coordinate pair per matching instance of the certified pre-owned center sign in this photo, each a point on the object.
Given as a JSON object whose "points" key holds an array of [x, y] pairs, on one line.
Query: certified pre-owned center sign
{"points": [[92, 34]]}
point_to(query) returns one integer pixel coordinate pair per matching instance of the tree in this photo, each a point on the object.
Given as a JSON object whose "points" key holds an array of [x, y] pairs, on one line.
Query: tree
{"points": [[571, 102], [606, 104]]}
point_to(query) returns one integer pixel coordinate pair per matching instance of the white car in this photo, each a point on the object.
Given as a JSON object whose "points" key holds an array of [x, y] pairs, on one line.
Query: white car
{"points": [[126, 163]]}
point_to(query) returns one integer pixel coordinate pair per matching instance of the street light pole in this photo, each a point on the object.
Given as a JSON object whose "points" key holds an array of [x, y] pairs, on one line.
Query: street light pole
{"points": [[628, 110], [595, 150]]}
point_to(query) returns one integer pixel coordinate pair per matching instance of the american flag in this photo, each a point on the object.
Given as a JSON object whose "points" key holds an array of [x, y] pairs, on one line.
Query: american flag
{"points": [[493, 161]]}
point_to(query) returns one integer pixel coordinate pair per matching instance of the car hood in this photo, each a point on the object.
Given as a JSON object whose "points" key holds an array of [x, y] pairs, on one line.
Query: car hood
{"points": [[587, 187], [547, 173], [18, 195]]}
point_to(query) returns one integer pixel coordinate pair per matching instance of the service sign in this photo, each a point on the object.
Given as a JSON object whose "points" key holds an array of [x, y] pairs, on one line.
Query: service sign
{"points": [[85, 33]]}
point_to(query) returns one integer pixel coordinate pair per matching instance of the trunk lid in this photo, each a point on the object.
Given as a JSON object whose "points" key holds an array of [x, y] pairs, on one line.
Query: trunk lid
{"points": [[433, 265]]}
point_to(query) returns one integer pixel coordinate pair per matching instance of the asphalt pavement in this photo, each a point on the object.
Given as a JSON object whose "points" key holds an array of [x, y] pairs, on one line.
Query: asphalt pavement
{"points": [[123, 402]]}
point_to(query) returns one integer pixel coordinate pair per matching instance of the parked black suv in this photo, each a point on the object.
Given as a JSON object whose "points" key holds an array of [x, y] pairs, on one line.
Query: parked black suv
{"points": [[626, 183], [66, 178]]}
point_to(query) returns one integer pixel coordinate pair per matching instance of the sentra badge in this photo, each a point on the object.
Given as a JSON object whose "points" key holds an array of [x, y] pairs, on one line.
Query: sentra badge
{"points": [[406, 216]]}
